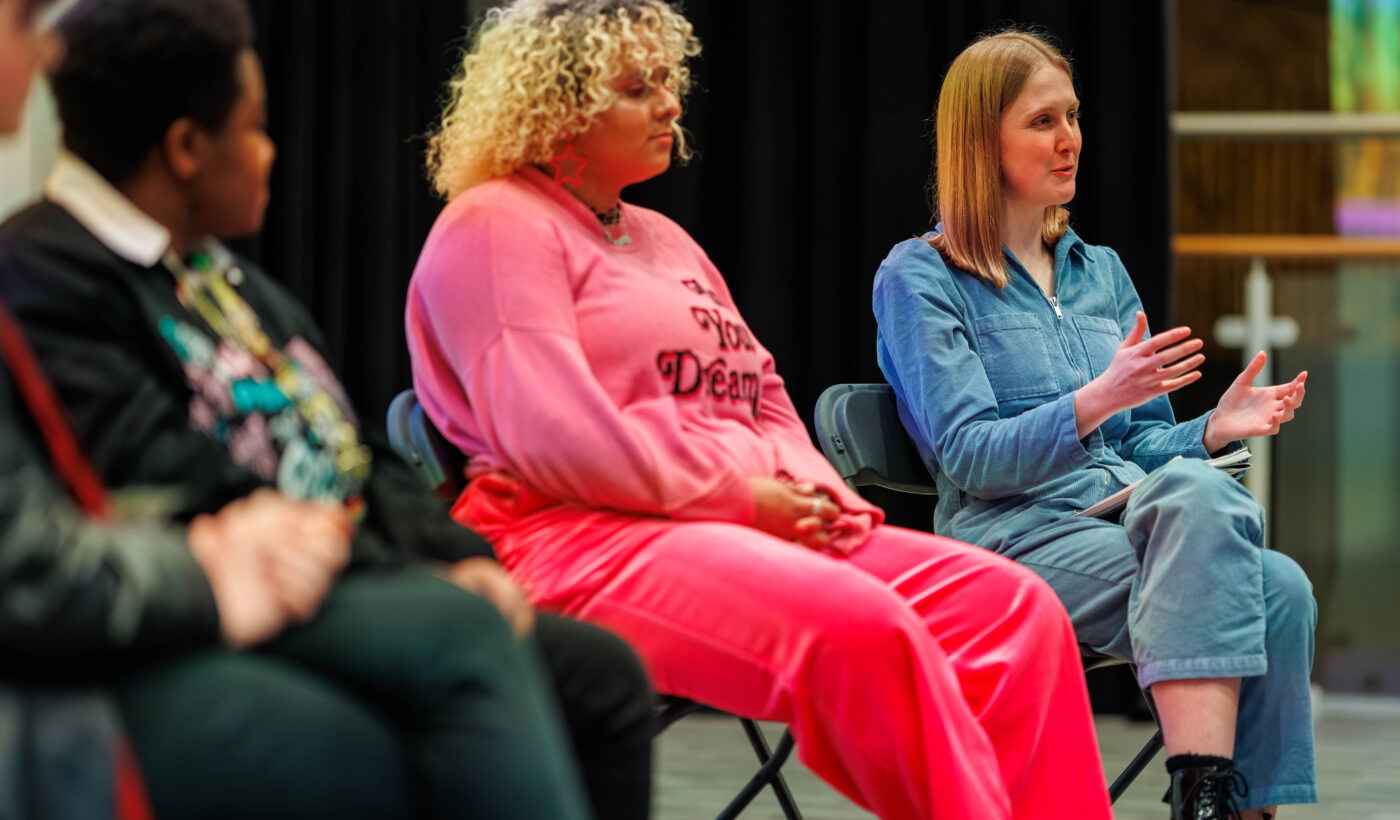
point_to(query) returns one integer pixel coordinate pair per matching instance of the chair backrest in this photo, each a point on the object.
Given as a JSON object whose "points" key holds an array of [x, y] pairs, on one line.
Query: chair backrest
{"points": [[440, 465], [859, 430]]}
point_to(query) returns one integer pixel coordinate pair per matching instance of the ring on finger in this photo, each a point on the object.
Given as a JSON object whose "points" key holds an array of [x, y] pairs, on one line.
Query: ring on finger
{"points": [[816, 506]]}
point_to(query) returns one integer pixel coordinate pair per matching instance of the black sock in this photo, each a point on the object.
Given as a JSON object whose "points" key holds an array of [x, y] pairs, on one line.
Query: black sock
{"points": [[1176, 763]]}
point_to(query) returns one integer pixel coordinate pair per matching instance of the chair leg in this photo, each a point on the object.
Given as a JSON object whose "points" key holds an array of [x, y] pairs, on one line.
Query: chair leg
{"points": [[1139, 762], [1149, 749], [780, 786], [669, 710], [769, 772]]}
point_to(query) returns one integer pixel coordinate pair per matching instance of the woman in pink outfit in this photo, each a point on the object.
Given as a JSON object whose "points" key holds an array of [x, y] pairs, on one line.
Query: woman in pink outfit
{"points": [[637, 462]]}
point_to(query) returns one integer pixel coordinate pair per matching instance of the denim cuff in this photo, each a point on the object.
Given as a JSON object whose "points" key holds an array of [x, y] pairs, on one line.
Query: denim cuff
{"points": [[1194, 432], [1280, 796], [1081, 451], [1230, 666]]}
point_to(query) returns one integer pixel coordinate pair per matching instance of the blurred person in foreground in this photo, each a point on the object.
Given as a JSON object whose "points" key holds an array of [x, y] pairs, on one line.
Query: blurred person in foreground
{"points": [[379, 692]]}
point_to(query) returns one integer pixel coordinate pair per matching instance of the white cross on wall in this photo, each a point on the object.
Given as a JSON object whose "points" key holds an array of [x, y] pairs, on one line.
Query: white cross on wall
{"points": [[1258, 330]]}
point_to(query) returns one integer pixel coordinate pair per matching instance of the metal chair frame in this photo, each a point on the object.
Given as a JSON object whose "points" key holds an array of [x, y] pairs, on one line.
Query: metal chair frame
{"points": [[442, 468], [861, 434]]}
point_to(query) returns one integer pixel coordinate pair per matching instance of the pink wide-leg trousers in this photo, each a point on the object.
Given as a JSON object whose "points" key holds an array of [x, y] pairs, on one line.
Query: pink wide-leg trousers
{"points": [[921, 677]]}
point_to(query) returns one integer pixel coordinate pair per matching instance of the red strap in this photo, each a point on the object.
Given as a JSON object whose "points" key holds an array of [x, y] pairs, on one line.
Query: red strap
{"points": [[132, 802], [68, 459]]}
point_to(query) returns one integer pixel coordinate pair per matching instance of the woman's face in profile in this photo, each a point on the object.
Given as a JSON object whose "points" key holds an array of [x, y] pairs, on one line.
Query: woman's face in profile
{"points": [[1040, 141], [630, 141]]}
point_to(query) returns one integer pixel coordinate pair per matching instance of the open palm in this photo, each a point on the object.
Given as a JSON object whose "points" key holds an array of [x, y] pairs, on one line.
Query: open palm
{"points": [[1246, 411]]}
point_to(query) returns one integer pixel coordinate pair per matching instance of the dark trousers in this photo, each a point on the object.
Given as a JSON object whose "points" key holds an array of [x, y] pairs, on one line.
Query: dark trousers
{"points": [[608, 706], [404, 697]]}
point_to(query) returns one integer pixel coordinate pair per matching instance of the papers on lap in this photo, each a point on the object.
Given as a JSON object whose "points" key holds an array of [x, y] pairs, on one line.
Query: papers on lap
{"points": [[1233, 463]]}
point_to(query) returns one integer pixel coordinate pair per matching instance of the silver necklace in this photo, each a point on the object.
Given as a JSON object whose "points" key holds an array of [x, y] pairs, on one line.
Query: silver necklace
{"points": [[614, 225]]}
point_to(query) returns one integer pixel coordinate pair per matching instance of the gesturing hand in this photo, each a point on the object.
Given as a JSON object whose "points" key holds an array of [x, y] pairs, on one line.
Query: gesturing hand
{"points": [[1246, 411], [1140, 372], [796, 512]]}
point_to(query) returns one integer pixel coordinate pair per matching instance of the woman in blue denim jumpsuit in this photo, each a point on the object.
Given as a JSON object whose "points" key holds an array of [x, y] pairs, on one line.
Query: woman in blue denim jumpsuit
{"points": [[1024, 375]]}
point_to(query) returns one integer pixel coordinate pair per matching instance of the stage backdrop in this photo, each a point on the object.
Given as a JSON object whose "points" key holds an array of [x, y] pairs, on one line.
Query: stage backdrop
{"points": [[811, 124]]}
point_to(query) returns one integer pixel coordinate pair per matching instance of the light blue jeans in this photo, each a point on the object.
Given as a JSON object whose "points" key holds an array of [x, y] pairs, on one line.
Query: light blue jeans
{"points": [[1184, 589]]}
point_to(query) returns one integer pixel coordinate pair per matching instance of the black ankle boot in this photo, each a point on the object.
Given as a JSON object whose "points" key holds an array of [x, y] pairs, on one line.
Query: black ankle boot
{"points": [[1206, 793]]}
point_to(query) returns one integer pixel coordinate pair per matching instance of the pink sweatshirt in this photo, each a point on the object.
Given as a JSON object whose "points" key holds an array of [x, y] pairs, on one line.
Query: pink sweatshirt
{"points": [[610, 377]]}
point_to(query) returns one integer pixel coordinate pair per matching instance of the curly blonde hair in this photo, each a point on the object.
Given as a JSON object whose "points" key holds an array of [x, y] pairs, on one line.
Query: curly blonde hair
{"points": [[540, 71]]}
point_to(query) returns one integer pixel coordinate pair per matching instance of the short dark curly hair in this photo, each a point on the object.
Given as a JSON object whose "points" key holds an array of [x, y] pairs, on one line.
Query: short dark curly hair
{"points": [[131, 68]]}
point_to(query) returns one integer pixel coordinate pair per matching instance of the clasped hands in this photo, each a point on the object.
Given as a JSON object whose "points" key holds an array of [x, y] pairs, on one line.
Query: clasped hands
{"points": [[1142, 370], [795, 511], [270, 561]]}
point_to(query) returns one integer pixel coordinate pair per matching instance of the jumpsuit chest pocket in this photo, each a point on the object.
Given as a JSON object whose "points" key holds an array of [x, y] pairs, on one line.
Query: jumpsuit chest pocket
{"points": [[1101, 339], [1017, 360]]}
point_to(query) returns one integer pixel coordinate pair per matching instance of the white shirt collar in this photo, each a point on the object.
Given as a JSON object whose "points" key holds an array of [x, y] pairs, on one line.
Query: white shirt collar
{"points": [[106, 212]]}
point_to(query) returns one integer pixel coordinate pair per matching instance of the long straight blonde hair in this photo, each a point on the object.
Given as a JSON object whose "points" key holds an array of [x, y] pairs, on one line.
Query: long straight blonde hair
{"points": [[965, 181]]}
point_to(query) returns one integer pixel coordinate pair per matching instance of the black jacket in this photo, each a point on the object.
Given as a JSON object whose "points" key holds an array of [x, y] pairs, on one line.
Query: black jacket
{"points": [[100, 326], [75, 593]]}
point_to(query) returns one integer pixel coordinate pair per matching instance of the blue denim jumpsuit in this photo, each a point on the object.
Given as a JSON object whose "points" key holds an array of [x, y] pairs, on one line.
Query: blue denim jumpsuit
{"points": [[986, 381]]}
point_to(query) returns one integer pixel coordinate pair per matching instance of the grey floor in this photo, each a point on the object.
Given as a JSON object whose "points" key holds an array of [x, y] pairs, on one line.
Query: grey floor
{"points": [[703, 760]]}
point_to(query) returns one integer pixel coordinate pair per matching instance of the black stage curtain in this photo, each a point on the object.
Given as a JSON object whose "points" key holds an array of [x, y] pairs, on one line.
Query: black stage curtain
{"points": [[810, 119], [353, 85]]}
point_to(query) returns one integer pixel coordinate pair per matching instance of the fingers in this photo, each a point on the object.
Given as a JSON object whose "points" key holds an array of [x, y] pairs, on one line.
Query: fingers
{"points": [[510, 601], [1157, 344], [486, 578], [810, 501], [1176, 352], [327, 542], [794, 511], [1293, 401], [811, 532], [1252, 369], [1139, 328], [206, 536], [1171, 371], [812, 520], [298, 592], [1296, 400], [300, 579], [333, 517], [1172, 385], [523, 622], [1283, 391]]}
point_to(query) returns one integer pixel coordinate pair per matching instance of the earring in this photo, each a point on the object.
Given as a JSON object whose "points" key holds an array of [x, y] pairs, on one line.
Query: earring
{"points": [[568, 166]]}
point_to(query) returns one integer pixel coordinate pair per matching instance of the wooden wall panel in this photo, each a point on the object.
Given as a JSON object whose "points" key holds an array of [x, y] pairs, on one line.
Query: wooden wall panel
{"points": [[1248, 55]]}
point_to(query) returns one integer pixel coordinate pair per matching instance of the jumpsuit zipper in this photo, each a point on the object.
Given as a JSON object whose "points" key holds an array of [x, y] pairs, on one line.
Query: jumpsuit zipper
{"points": [[1059, 325], [1064, 343]]}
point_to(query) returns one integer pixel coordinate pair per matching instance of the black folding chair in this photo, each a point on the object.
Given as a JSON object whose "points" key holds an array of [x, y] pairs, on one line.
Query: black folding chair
{"points": [[443, 469], [859, 430]]}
